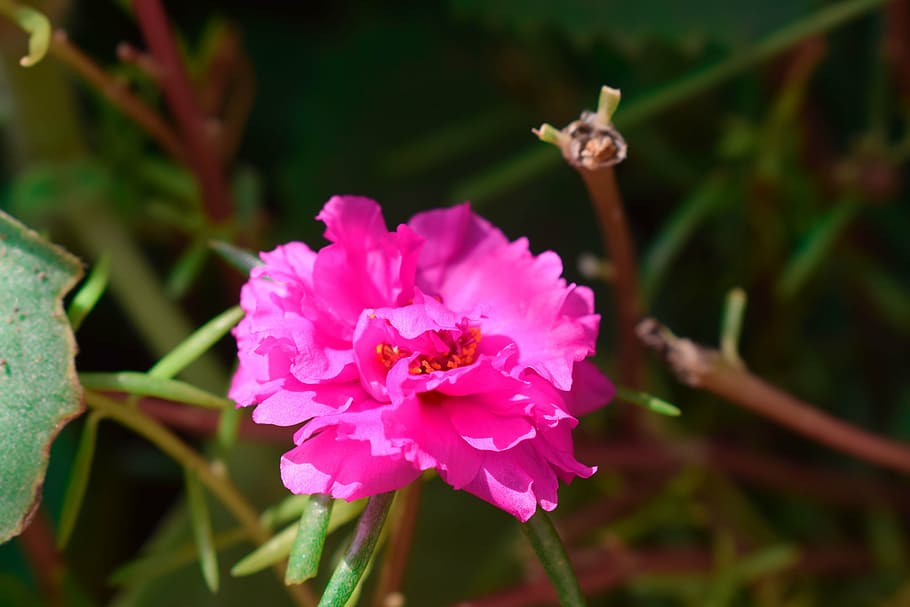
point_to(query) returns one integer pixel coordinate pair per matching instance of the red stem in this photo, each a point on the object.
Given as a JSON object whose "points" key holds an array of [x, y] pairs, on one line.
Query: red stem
{"points": [[204, 157], [40, 550]]}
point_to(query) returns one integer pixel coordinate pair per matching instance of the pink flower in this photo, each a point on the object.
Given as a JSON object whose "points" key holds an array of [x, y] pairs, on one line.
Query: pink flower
{"points": [[440, 345]]}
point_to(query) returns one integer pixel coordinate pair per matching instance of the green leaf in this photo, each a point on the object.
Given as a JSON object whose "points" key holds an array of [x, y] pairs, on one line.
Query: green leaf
{"points": [[303, 562], [196, 344], [78, 481], [187, 269], [241, 259], [815, 248], [150, 567], [35, 24], [85, 299], [732, 324], [280, 545], [679, 230], [357, 556], [202, 530], [647, 401], [277, 548], [143, 384], [285, 511], [39, 391], [548, 546]]}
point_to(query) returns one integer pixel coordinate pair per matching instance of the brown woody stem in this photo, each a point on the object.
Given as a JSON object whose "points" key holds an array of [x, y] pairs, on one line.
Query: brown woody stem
{"points": [[593, 146], [601, 184], [707, 369]]}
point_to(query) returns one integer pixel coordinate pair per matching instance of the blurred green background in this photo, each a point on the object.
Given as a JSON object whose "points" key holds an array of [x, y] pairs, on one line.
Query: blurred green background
{"points": [[767, 150]]}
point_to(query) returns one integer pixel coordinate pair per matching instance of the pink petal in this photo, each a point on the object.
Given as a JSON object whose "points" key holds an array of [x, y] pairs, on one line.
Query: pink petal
{"points": [[353, 220], [344, 469], [295, 403], [468, 263], [591, 389], [485, 430]]}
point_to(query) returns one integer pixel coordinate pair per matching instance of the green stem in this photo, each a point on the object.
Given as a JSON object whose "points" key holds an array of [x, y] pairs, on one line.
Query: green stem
{"points": [[546, 543], [357, 556], [162, 438]]}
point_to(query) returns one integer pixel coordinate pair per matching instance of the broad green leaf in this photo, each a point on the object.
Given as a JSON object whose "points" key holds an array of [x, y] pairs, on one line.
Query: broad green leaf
{"points": [[39, 391]]}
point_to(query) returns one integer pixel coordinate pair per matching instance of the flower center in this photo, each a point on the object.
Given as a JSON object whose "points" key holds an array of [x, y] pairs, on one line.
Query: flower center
{"points": [[457, 350]]}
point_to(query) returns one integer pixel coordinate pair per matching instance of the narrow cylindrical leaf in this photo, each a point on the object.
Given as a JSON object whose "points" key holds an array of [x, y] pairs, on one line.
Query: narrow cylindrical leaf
{"points": [[84, 301], [815, 248], [546, 543], [35, 24], [287, 510], [241, 259], [202, 530], [196, 344], [153, 566], [142, 384], [78, 481], [678, 229], [647, 401], [357, 556], [228, 426], [280, 545], [187, 269], [303, 563], [731, 325]]}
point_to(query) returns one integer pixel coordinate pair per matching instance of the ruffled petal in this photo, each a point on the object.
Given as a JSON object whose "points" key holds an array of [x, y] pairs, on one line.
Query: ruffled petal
{"points": [[471, 265], [590, 391], [440, 345], [295, 403], [345, 469]]}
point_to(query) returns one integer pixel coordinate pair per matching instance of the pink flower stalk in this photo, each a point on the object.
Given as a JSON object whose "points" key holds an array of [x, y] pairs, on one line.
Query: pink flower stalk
{"points": [[440, 345]]}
